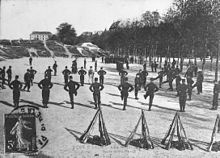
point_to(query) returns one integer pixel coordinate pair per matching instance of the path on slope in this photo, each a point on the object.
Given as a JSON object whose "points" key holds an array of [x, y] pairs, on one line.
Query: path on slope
{"points": [[50, 51], [65, 48]]}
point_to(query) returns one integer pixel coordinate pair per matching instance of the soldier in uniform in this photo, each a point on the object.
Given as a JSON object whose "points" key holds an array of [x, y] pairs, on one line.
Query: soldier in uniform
{"points": [[124, 89], [32, 74], [123, 74], [84, 63], [3, 76], [82, 73], [101, 74], [66, 72], [137, 85], [143, 76], [30, 61], [9, 73], [150, 89], [48, 73], [160, 77], [74, 67], [216, 92], [55, 68], [178, 80], [91, 74], [45, 85], [190, 86], [27, 80], [72, 88], [96, 88], [183, 88], [16, 86]]}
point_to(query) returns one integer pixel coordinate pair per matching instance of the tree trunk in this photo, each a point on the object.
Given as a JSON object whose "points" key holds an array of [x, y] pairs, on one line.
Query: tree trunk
{"points": [[216, 69]]}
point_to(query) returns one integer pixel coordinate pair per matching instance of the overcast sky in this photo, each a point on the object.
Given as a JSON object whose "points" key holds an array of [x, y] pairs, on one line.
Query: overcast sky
{"points": [[21, 17]]}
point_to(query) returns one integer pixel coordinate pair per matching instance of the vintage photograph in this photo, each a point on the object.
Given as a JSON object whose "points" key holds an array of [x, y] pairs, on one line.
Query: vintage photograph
{"points": [[109, 78]]}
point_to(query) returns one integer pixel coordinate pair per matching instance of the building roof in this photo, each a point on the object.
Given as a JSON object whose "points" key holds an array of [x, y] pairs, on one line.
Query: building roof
{"points": [[41, 32]]}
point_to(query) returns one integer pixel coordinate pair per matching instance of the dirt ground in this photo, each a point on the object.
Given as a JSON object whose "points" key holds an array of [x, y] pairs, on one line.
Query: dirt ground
{"points": [[65, 125]]}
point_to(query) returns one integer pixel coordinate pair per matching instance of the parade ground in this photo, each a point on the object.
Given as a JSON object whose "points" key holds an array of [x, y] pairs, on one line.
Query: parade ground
{"points": [[65, 125]]}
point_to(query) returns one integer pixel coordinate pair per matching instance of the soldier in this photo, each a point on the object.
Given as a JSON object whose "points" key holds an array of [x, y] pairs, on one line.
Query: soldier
{"points": [[45, 85], [137, 85], [170, 77], [124, 89], [72, 88], [150, 89], [16, 86], [27, 81], [84, 63], [30, 61], [82, 73], [152, 67], [155, 66], [48, 73], [101, 74], [143, 76], [32, 74], [183, 88], [66, 72], [199, 82], [9, 73], [178, 80], [145, 66], [55, 68], [123, 74], [74, 66], [91, 74], [96, 66], [160, 77], [216, 92], [190, 86], [189, 72], [96, 88], [3, 76]]}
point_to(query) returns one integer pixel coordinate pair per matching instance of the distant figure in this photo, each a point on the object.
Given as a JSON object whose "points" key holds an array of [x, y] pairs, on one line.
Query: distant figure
{"points": [[96, 88], [3, 76], [9, 74], [48, 73], [72, 88], [199, 82], [183, 88], [122, 75], [16, 86], [124, 89], [74, 66], [66, 72], [216, 92], [150, 89], [55, 68], [30, 61], [27, 80], [101, 74], [84, 63], [160, 77], [137, 85], [32, 74], [91, 74], [178, 80], [143, 77], [82, 73], [45, 85], [145, 66], [155, 66], [190, 86]]}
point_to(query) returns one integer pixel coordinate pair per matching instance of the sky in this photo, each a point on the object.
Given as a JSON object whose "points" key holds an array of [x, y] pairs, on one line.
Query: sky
{"points": [[20, 17]]}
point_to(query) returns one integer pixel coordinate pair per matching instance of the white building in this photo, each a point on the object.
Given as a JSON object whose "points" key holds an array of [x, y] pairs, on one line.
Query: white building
{"points": [[40, 35]]}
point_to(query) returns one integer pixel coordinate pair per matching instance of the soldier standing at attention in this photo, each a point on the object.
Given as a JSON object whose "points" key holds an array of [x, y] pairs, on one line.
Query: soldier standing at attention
{"points": [[48, 73], [55, 68], [123, 74], [9, 73], [27, 81], [32, 74], [16, 86], [124, 89], [101, 74], [183, 88], [96, 88], [150, 89], [82, 73], [216, 92], [137, 85], [45, 85], [72, 89], [66, 72]]}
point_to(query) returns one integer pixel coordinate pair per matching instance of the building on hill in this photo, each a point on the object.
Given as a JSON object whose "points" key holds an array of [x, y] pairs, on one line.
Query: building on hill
{"points": [[40, 35], [86, 34], [98, 32]]}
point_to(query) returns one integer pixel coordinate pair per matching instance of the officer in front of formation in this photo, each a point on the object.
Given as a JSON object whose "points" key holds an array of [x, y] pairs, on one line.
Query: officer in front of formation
{"points": [[16, 86], [82, 73], [183, 89], [72, 88], [66, 72], [96, 88], [124, 88], [45, 85], [101, 74]]}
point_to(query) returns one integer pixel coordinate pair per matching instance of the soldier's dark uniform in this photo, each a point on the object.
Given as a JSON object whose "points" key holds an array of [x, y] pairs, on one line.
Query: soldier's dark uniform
{"points": [[82, 73], [101, 74], [74, 67], [66, 74], [32, 74], [96, 88], [85, 63], [27, 81], [189, 72], [125, 88], [122, 74], [143, 77], [183, 88], [170, 77], [45, 85], [9, 73], [190, 86], [199, 82], [137, 85], [150, 89], [48, 73], [216, 92], [160, 77], [178, 80], [16, 86], [72, 88], [55, 68], [30, 60]]}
